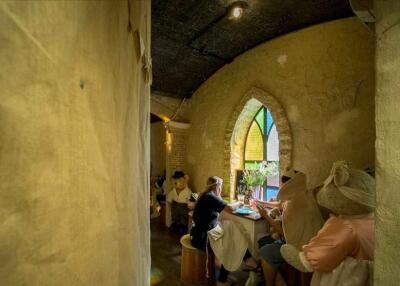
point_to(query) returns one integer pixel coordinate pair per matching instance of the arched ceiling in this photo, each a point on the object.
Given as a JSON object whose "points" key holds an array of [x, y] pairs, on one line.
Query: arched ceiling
{"points": [[191, 39]]}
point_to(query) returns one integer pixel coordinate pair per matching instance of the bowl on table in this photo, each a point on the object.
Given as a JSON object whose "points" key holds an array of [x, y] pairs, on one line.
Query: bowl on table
{"points": [[244, 211]]}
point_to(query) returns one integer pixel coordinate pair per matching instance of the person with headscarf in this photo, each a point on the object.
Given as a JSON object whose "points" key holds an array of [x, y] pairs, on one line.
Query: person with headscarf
{"points": [[342, 251], [205, 218]]}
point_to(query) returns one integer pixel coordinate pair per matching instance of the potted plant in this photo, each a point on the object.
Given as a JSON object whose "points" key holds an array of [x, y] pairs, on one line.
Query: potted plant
{"points": [[256, 178], [241, 193]]}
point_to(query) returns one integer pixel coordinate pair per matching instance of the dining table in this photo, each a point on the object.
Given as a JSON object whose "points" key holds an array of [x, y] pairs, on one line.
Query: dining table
{"points": [[255, 226]]}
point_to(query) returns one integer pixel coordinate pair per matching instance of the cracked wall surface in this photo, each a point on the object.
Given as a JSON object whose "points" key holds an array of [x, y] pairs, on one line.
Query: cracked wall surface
{"points": [[387, 142], [74, 144], [322, 76]]}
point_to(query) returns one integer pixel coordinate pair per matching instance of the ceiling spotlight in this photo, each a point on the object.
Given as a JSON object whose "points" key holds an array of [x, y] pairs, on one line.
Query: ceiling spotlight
{"points": [[236, 9], [237, 12]]}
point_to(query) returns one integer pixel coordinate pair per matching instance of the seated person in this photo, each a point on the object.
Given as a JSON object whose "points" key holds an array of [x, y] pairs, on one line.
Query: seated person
{"points": [[271, 258], [178, 199], [160, 187], [205, 218]]}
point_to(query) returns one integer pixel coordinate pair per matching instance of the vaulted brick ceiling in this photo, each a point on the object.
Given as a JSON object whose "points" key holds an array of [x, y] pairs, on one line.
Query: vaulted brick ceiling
{"points": [[191, 39]]}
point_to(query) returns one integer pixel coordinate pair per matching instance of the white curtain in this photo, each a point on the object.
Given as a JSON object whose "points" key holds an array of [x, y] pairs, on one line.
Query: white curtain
{"points": [[74, 143]]}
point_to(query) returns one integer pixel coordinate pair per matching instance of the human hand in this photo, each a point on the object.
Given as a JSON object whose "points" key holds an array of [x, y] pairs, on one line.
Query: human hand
{"points": [[236, 205], [191, 205], [262, 211], [274, 213]]}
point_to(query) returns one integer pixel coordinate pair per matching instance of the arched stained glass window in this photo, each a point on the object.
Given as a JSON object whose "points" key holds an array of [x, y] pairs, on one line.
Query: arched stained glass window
{"points": [[262, 144]]}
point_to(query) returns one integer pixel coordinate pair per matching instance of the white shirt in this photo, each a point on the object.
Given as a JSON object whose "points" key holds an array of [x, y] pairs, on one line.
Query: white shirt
{"points": [[183, 196]]}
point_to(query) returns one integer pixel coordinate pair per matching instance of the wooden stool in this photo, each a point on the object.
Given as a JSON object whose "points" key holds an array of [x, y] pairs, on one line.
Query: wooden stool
{"points": [[193, 263]]}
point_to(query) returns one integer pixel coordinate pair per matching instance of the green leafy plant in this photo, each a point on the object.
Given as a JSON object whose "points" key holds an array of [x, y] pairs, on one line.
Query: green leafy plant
{"points": [[258, 176]]}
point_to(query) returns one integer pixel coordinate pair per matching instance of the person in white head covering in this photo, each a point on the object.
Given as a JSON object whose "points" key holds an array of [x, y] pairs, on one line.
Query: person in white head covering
{"points": [[342, 251]]}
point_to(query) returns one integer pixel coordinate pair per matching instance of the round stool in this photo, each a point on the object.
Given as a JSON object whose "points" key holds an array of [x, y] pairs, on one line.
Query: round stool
{"points": [[193, 262]]}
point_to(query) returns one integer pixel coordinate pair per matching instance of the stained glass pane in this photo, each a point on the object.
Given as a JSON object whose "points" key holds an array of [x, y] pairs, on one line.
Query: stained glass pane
{"points": [[260, 119], [254, 144], [273, 181], [269, 120], [270, 193], [250, 165], [273, 145]]}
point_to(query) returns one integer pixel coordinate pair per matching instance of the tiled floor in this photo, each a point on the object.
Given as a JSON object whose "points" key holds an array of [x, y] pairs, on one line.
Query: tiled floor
{"points": [[165, 254]]}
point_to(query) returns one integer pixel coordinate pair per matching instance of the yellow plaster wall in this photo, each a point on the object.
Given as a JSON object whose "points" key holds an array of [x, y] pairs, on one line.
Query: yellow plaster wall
{"points": [[158, 147], [74, 144], [387, 251], [323, 77]]}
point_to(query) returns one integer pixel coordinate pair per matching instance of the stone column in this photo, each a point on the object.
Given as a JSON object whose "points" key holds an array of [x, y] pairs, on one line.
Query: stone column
{"points": [[176, 139], [387, 142]]}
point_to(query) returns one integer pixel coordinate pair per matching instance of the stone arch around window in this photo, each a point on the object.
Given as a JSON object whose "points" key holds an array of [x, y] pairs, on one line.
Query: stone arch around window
{"points": [[236, 133]]}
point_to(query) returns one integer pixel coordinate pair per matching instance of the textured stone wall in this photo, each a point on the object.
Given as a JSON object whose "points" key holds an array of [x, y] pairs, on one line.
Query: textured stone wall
{"points": [[322, 76], [388, 142], [74, 144], [177, 137], [158, 147], [176, 143]]}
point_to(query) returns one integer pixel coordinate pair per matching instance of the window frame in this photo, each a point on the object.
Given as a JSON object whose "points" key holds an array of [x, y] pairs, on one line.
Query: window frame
{"points": [[265, 137]]}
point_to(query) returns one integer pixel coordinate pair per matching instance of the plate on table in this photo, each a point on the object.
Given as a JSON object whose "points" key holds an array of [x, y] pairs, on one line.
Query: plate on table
{"points": [[244, 211]]}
